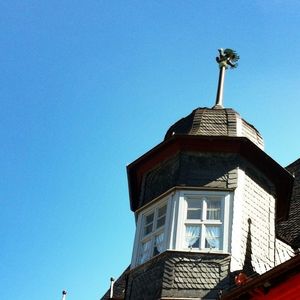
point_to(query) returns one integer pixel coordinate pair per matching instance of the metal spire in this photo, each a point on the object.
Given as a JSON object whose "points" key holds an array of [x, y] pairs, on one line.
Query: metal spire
{"points": [[227, 58]]}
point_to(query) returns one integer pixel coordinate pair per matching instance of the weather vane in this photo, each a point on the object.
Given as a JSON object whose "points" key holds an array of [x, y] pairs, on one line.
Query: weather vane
{"points": [[227, 58]]}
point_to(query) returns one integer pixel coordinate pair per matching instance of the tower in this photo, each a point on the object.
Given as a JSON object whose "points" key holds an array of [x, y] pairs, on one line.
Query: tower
{"points": [[206, 201]]}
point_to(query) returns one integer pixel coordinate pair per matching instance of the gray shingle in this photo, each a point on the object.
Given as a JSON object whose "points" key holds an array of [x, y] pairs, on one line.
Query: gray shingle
{"points": [[290, 230], [184, 274], [196, 275], [214, 122], [119, 286]]}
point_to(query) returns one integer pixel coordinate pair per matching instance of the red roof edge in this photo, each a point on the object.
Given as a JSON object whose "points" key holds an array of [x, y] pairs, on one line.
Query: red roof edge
{"points": [[282, 271]]}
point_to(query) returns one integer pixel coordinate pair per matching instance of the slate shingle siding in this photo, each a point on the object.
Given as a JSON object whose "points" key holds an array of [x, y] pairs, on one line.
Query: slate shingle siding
{"points": [[259, 206], [194, 169], [190, 169], [146, 283], [252, 134], [179, 274], [197, 275], [254, 241], [290, 230], [215, 122]]}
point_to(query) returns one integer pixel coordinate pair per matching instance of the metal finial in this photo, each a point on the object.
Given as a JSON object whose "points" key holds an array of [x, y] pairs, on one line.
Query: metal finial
{"points": [[64, 293], [111, 290], [227, 58]]}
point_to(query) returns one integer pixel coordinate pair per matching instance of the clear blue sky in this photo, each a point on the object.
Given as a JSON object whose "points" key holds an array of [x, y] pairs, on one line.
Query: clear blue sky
{"points": [[87, 87]]}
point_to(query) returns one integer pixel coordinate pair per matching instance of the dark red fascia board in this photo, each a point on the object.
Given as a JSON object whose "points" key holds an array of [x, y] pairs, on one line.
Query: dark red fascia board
{"points": [[283, 272], [279, 176]]}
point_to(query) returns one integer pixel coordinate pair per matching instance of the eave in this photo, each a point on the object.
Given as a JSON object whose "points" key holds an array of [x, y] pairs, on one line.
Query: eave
{"points": [[280, 177]]}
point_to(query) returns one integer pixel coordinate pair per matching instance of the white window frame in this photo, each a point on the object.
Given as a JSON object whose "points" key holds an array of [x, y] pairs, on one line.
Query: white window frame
{"points": [[142, 238], [174, 227], [225, 198]]}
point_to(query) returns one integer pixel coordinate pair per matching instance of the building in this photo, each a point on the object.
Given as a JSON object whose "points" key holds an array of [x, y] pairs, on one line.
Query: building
{"points": [[210, 205]]}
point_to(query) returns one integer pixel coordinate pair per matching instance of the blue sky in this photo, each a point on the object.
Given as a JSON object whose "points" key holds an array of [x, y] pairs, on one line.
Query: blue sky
{"points": [[89, 86]]}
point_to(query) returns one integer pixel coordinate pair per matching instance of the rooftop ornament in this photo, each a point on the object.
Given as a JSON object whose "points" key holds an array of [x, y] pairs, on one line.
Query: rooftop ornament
{"points": [[227, 58], [64, 294]]}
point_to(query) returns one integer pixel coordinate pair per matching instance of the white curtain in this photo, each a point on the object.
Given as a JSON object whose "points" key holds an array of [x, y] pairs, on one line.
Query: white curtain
{"points": [[212, 237], [159, 242], [145, 251], [213, 210], [192, 236]]}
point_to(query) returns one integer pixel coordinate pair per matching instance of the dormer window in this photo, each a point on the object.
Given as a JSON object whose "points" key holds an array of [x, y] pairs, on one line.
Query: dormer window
{"points": [[152, 241], [185, 221]]}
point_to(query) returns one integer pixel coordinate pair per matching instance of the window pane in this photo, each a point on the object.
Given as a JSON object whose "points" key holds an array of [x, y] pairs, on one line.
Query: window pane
{"points": [[194, 211], [158, 243], [149, 218], [212, 237], [192, 236], [145, 251], [161, 222], [148, 229], [213, 210], [148, 225], [194, 214], [162, 211], [161, 216]]}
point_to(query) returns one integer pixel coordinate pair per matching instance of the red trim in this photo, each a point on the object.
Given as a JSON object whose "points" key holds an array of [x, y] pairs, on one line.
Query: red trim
{"points": [[289, 289], [283, 282]]}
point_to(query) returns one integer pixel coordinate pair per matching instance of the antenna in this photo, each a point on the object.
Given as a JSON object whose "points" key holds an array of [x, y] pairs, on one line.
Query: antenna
{"points": [[227, 58]]}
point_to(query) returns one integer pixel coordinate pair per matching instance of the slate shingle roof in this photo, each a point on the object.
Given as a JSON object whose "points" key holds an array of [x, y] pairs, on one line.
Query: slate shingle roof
{"points": [[289, 230], [184, 274], [205, 275], [215, 122], [119, 287]]}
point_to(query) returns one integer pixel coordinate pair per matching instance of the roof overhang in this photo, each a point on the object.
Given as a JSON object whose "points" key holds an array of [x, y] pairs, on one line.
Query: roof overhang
{"points": [[280, 177]]}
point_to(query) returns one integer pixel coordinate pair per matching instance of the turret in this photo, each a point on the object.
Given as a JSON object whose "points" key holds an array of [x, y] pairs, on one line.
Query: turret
{"points": [[206, 201]]}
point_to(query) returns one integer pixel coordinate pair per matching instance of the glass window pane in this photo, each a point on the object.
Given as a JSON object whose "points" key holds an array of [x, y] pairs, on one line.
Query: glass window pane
{"points": [[194, 203], [213, 210], [161, 216], [149, 218], [194, 211], [148, 225], [194, 214], [158, 243], [192, 236], [161, 222], [212, 237], [162, 211], [148, 229]]}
